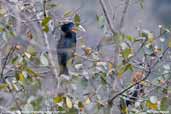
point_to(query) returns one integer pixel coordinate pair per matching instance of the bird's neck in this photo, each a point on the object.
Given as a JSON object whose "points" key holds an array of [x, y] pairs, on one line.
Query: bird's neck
{"points": [[70, 34]]}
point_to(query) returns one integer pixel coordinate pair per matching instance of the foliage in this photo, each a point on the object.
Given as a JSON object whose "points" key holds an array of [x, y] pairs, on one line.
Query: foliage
{"points": [[27, 73]]}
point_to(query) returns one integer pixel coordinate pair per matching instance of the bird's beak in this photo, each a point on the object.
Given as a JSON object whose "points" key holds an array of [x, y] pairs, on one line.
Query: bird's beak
{"points": [[78, 28], [74, 29]]}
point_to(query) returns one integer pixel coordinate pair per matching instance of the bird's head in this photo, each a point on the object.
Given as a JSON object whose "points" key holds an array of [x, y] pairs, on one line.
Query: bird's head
{"points": [[70, 27]]}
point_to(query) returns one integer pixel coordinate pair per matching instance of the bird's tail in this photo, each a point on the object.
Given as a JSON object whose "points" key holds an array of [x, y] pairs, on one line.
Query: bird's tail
{"points": [[64, 69]]}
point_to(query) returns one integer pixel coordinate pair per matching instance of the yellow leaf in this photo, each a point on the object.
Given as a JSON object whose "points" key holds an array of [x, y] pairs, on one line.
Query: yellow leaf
{"points": [[21, 76], [58, 99], [150, 105], [68, 102], [87, 101], [110, 66]]}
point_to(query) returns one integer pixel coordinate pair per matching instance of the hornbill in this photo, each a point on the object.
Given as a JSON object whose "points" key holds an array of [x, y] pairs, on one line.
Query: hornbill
{"points": [[67, 45], [133, 94]]}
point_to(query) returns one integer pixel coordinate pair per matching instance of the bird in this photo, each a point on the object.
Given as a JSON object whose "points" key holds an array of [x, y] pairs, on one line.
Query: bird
{"points": [[66, 46], [130, 99], [133, 94]]}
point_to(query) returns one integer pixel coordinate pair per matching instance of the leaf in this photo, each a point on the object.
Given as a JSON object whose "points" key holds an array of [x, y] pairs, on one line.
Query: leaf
{"points": [[87, 101], [87, 51], [13, 61], [30, 72], [46, 20], [130, 38], [31, 50], [2, 11], [28, 55], [151, 105], [123, 106], [68, 102], [124, 69], [46, 28], [126, 53], [80, 104], [77, 20], [37, 103], [169, 44], [29, 35], [21, 76], [58, 99], [1, 29], [164, 104], [68, 13], [60, 108], [3, 86], [44, 60]]}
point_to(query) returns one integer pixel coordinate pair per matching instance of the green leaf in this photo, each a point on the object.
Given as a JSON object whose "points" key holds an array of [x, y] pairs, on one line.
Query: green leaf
{"points": [[46, 20], [31, 50], [14, 60], [164, 104], [31, 72], [46, 28], [80, 104], [21, 76], [123, 107], [3, 86], [130, 38], [1, 29], [37, 103], [124, 69], [58, 99], [169, 43], [77, 20], [126, 53], [60, 108]]}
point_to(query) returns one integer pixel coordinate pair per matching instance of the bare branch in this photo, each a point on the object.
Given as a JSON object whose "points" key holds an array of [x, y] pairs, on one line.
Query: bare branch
{"points": [[123, 14], [107, 17]]}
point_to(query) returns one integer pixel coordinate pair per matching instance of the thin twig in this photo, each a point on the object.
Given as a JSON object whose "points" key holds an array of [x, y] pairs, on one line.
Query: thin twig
{"points": [[147, 75], [123, 14], [107, 17], [11, 51]]}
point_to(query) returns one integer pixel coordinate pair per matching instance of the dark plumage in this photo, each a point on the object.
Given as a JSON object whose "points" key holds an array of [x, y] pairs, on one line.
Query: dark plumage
{"points": [[66, 46], [131, 98]]}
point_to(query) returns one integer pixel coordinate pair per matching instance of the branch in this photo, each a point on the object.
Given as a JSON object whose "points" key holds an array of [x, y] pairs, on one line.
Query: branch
{"points": [[147, 75], [11, 51], [50, 55], [107, 17], [123, 14]]}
